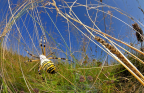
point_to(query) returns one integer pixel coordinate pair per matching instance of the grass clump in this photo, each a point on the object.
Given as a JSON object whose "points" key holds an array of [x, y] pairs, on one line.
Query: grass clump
{"points": [[90, 77], [19, 76], [125, 81]]}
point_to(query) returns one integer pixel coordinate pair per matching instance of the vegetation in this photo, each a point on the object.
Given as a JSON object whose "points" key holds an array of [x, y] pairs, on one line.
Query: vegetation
{"points": [[18, 76], [67, 79], [93, 39]]}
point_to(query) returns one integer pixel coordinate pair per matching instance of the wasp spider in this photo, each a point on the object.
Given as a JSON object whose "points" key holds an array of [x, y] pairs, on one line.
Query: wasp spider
{"points": [[45, 62]]}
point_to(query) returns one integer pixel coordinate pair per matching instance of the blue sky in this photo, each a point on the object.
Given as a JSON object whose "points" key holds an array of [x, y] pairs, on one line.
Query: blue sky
{"points": [[117, 29]]}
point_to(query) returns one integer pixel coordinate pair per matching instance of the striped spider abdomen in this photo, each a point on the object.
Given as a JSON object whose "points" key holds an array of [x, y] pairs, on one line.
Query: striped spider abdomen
{"points": [[49, 66]]}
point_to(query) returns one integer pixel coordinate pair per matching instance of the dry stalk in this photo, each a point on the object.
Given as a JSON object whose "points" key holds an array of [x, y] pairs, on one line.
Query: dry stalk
{"points": [[121, 57], [108, 36], [125, 62]]}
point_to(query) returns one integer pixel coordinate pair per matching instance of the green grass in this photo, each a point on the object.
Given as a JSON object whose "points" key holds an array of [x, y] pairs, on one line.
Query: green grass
{"points": [[18, 76]]}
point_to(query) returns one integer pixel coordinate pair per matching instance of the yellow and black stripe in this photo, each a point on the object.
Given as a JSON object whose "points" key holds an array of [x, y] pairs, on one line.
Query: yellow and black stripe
{"points": [[60, 58], [49, 67], [43, 37], [31, 54]]}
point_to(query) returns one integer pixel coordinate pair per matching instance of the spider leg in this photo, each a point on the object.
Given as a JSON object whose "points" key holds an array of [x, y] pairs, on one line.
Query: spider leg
{"points": [[59, 58], [31, 61], [31, 54], [50, 54], [41, 45], [44, 40], [40, 67]]}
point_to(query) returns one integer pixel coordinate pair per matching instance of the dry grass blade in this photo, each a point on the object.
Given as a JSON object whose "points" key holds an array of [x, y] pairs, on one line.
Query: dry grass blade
{"points": [[108, 36], [130, 67], [123, 60], [98, 56]]}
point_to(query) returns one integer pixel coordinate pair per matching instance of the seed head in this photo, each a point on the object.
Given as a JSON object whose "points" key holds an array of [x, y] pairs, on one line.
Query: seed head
{"points": [[139, 32], [82, 79], [90, 78], [36, 90], [22, 92]]}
